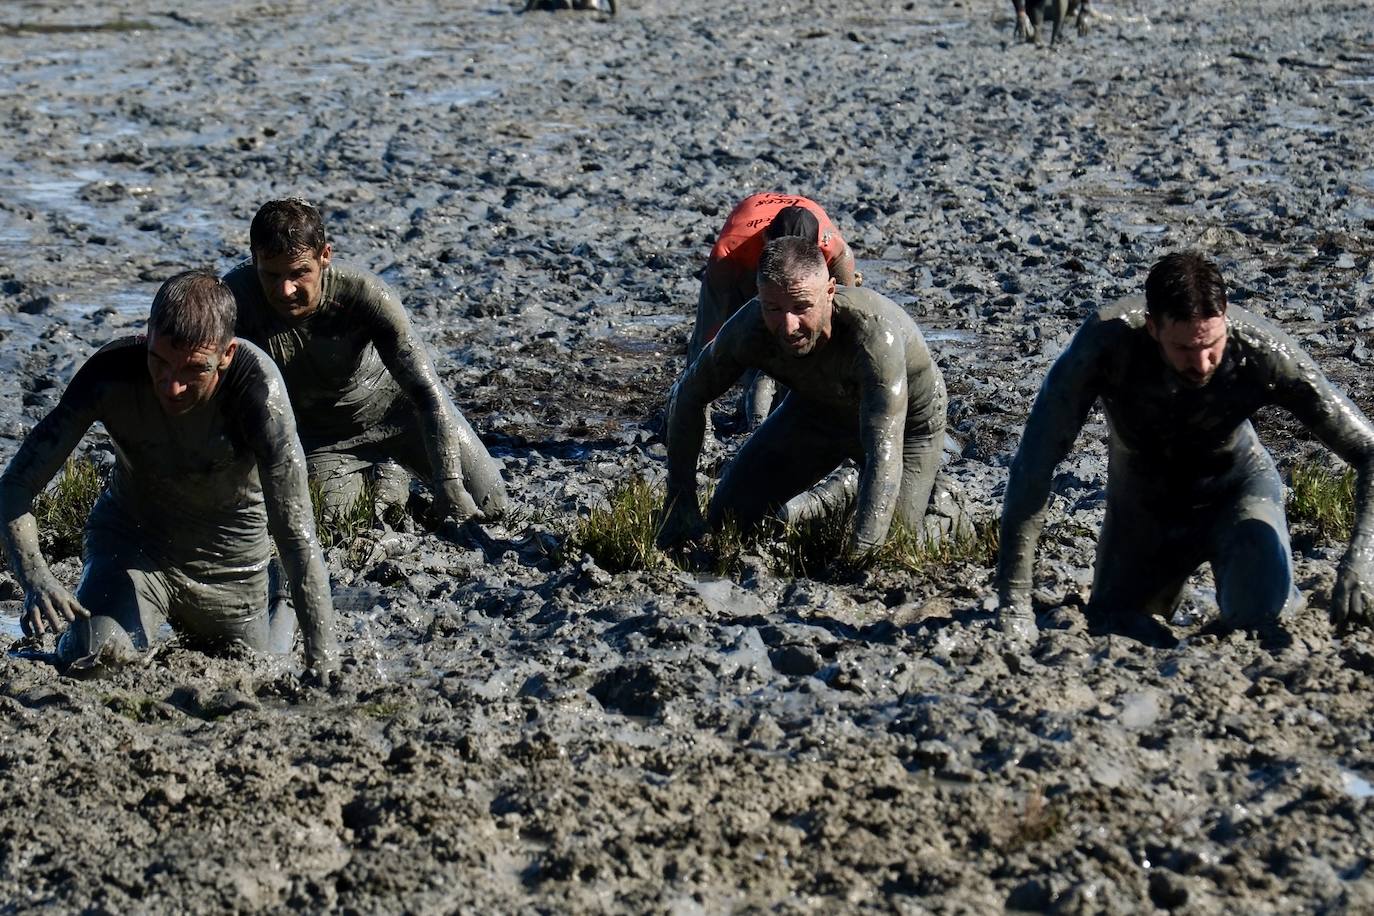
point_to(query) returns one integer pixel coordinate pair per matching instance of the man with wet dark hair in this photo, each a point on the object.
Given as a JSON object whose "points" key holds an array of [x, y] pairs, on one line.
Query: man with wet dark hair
{"points": [[862, 387], [1179, 377], [728, 280], [368, 401], [206, 463]]}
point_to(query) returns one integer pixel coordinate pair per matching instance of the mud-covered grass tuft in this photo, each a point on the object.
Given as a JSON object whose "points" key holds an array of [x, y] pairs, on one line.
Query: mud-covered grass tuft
{"points": [[1323, 500], [621, 535], [348, 527], [62, 509]]}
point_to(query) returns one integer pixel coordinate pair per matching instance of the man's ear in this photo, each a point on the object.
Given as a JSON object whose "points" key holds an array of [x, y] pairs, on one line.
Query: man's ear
{"points": [[1151, 327], [326, 254], [228, 356]]}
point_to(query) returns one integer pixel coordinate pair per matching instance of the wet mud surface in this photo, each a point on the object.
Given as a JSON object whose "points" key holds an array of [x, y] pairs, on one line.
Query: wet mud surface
{"points": [[525, 732]]}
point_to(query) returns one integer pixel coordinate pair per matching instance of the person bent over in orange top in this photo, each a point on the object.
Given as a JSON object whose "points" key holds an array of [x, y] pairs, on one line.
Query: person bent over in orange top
{"points": [[729, 278]]}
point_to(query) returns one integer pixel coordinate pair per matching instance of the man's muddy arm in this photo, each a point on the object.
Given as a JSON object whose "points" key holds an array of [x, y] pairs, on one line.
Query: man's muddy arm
{"points": [[291, 520], [711, 375], [882, 423], [1343, 428], [40, 457], [405, 356], [1060, 409]]}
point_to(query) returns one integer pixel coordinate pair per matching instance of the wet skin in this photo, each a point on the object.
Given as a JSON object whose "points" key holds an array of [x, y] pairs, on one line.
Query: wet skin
{"points": [[361, 381], [863, 386], [207, 463], [1188, 480]]}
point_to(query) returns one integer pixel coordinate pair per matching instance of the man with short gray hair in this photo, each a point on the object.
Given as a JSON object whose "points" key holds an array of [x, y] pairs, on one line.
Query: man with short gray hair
{"points": [[206, 463], [862, 387]]}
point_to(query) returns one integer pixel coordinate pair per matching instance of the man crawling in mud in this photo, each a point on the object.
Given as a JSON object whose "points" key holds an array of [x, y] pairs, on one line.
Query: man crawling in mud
{"points": [[862, 386], [728, 280], [367, 399], [1188, 480], [206, 463]]}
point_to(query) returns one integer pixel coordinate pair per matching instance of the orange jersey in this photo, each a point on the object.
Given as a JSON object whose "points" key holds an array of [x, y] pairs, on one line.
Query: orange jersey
{"points": [[741, 240]]}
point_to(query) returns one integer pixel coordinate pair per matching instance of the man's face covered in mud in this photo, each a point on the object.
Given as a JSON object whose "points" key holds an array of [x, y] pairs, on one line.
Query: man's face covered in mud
{"points": [[1192, 348], [186, 377], [798, 313], [293, 282]]}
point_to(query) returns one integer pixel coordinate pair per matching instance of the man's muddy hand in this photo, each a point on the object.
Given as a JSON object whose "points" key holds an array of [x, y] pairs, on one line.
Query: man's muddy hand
{"points": [[321, 660], [49, 606], [1352, 600], [682, 523], [1024, 30], [456, 502]]}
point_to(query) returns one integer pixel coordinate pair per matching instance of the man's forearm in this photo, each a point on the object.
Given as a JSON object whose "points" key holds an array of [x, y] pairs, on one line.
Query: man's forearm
{"points": [[1362, 531], [436, 415], [686, 432], [309, 584], [1023, 518], [21, 540]]}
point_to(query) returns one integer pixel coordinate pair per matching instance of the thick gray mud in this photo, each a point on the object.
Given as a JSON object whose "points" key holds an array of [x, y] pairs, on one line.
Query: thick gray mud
{"points": [[528, 733]]}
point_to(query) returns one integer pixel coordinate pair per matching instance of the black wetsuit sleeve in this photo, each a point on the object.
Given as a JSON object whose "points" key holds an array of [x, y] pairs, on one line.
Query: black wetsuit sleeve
{"points": [[408, 361], [883, 396], [269, 426], [1062, 405], [41, 456], [718, 367], [1301, 388]]}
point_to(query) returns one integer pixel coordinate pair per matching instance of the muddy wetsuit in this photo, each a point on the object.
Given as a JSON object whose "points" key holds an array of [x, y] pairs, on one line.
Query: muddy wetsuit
{"points": [[180, 532], [365, 393], [1188, 480], [729, 281], [871, 393]]}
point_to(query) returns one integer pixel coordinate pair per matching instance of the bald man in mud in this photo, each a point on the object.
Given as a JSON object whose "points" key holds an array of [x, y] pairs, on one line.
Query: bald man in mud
{"points": [[367, 399], [1179, 377], [728, 280], [862, 386], [206, 464]]}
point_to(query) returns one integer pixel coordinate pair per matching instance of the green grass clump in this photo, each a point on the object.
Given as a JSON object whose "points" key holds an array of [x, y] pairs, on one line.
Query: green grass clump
{"points": [[62, 509], [344, 527], [908, 552], [621, 536], [1323, 499]]}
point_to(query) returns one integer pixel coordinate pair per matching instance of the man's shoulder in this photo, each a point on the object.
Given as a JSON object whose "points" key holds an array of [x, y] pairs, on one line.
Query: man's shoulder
{"points": [[1249, 326], [242, 280], [1115, 324], [865, 307], [121, 357], [348, 285], [254, 374]]}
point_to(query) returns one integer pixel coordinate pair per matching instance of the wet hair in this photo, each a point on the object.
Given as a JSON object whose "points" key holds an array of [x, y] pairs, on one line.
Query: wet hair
{"points": [[1184, 286], [194, 309], [287, 226], [793, 220], [788, 259]]}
